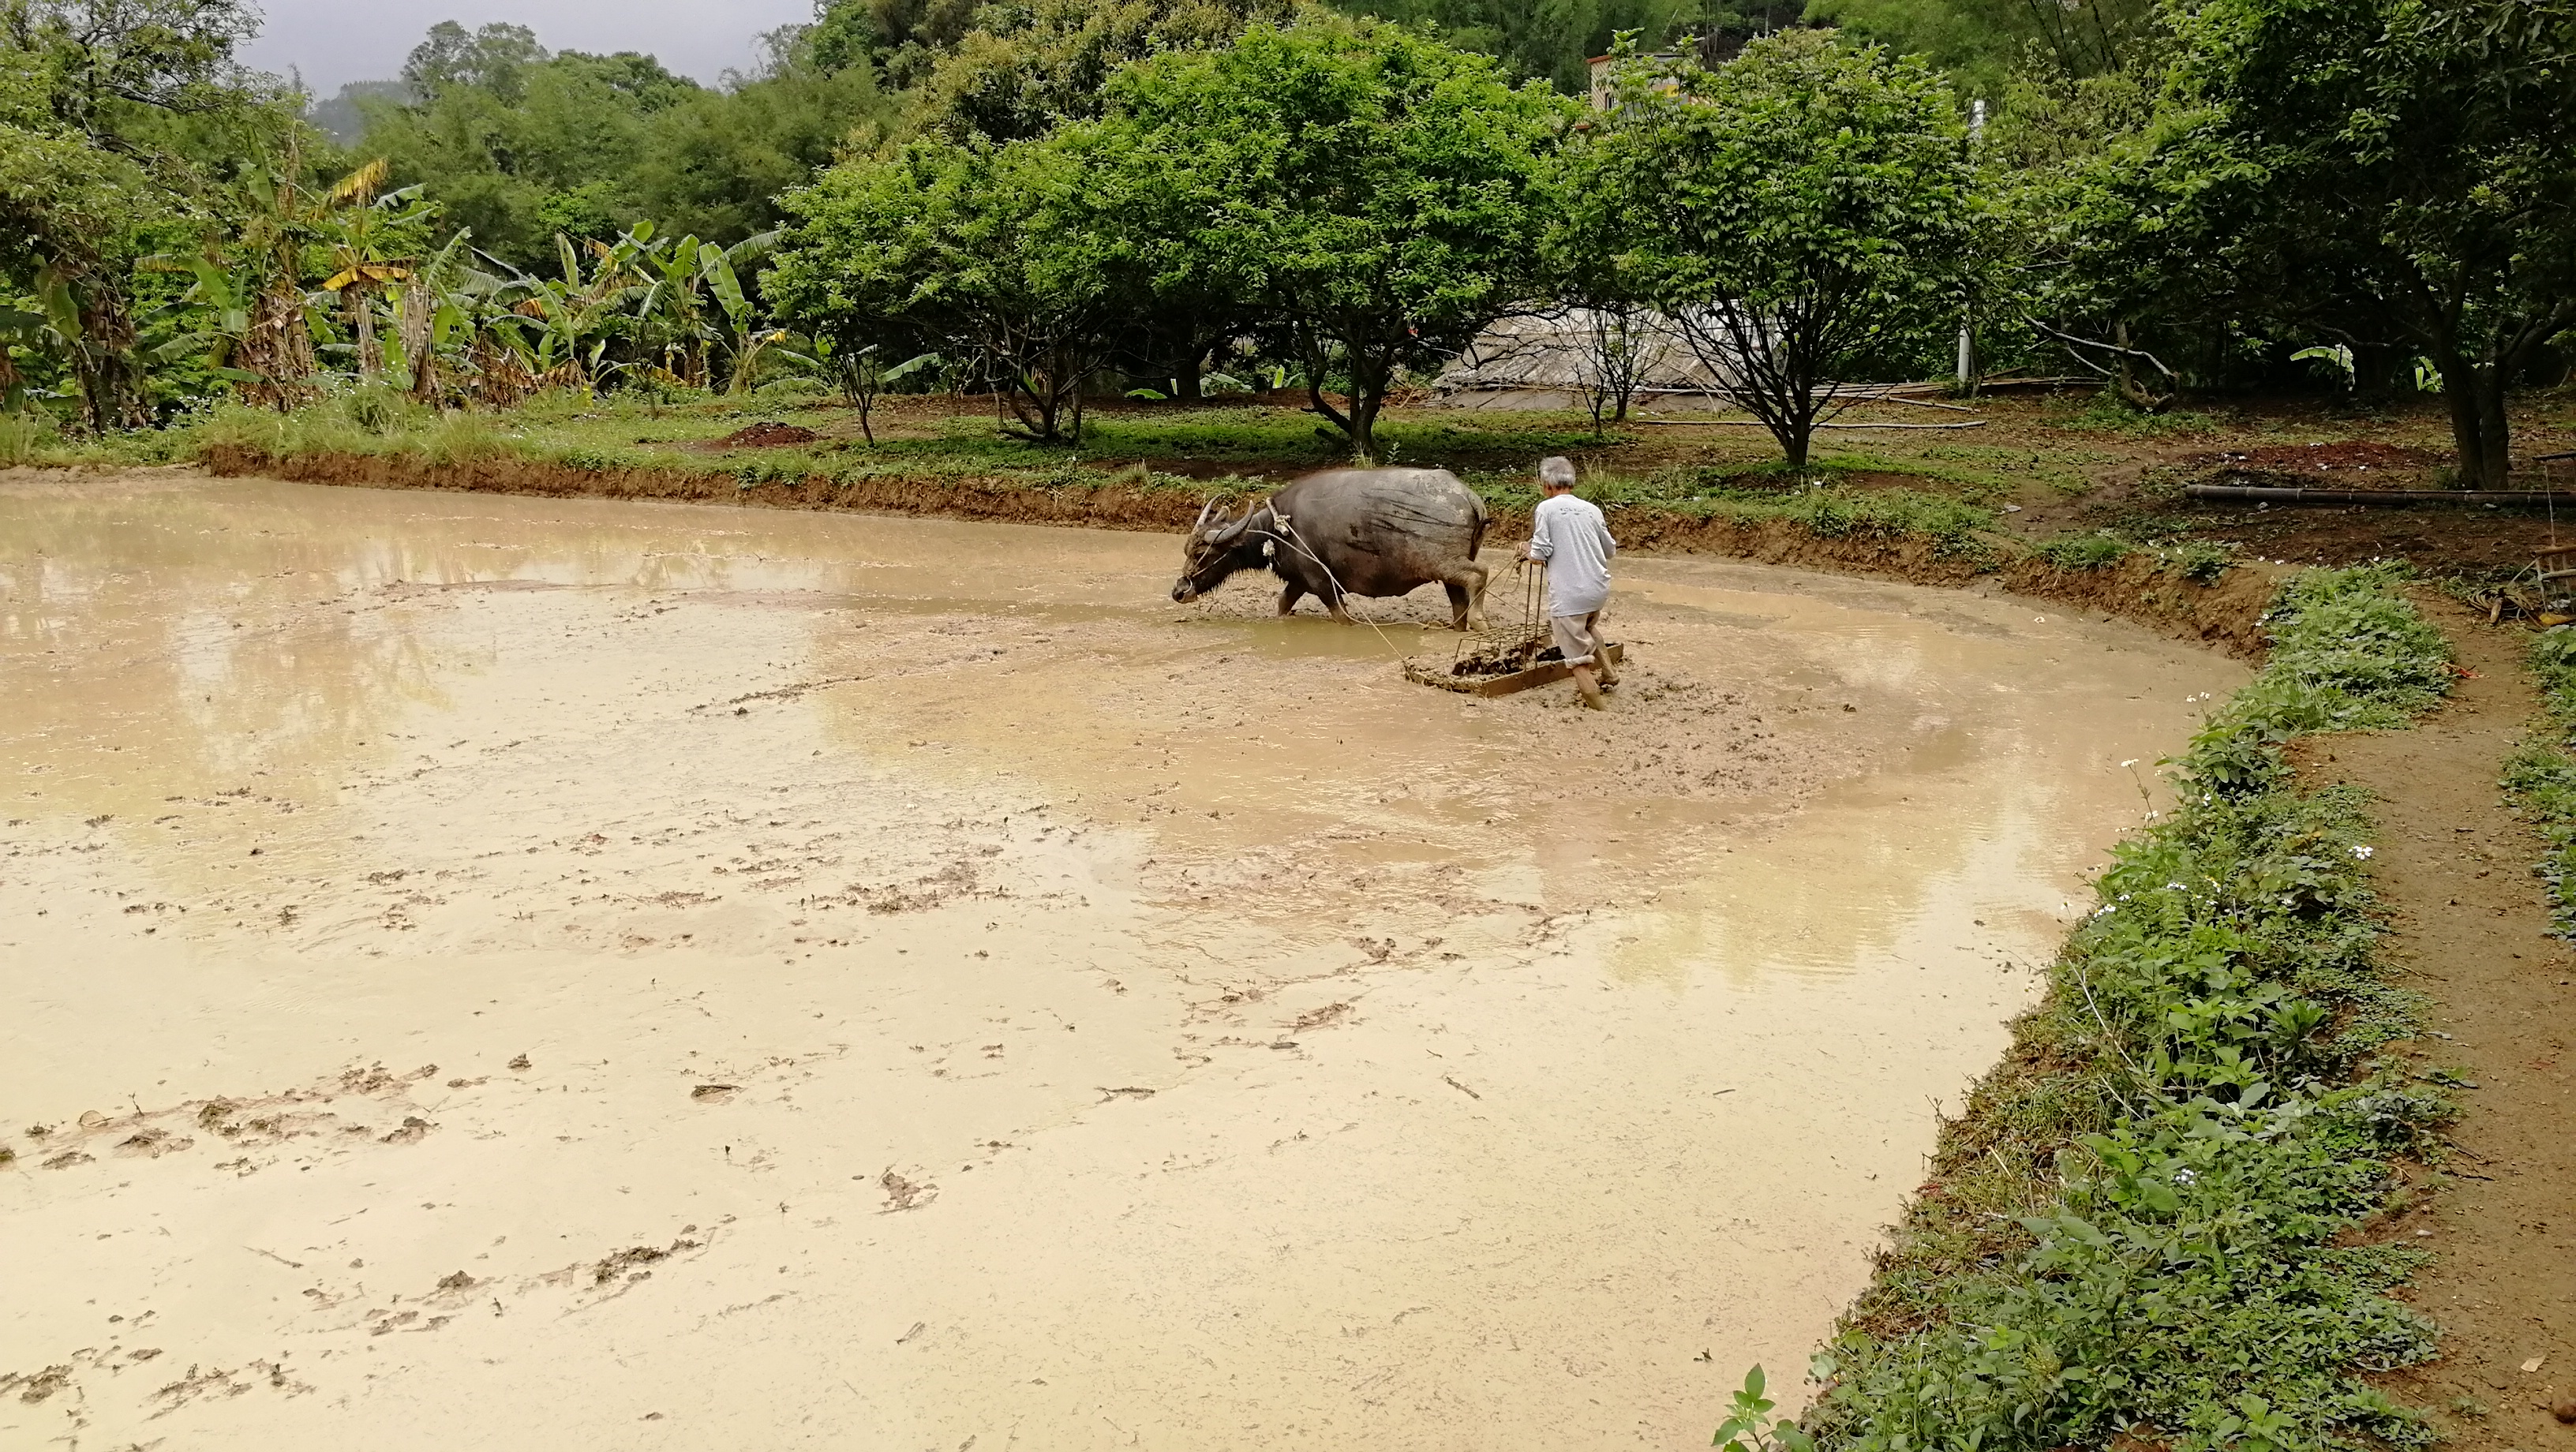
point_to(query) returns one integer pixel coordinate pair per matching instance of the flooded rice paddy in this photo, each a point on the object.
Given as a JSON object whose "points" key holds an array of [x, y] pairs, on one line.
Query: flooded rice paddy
{"points": [[505, 972]]}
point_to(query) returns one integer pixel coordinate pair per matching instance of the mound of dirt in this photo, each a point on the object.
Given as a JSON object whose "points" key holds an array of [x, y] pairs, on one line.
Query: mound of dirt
{"points": [[767, 435]]}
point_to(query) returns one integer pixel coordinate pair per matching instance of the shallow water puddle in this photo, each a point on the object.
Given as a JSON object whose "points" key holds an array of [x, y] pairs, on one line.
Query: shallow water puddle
{"points": [[490, 970]]}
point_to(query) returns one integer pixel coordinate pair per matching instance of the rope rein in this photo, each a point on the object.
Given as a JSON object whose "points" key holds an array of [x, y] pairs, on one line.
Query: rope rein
{"points": [[1341, 598]]}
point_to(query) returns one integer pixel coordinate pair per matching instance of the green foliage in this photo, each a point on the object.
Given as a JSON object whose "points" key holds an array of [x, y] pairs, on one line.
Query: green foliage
{"points": [[2394, 174], [1373, 195], [2172, 1242], [517, 144], [104, 112], [1800, 212], [998, 253], [1750, 1427], [1990, 46], [1553, 42], [1025, 68]]}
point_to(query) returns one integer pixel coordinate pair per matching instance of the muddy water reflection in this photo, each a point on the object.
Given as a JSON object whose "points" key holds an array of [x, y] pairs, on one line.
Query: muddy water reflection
{"points": [[537, 966]]}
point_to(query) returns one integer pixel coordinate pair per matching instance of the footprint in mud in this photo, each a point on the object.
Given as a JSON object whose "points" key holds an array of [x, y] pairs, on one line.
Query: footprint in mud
{"points": [[714, 1093], [1330, 1013], [152, 1142], [624, 1264], [903, 1194], [414, 1130], [311, 1113]]}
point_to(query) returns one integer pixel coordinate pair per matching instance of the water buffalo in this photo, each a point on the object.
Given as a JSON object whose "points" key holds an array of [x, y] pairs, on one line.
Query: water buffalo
{"points": [[1350, 532]]}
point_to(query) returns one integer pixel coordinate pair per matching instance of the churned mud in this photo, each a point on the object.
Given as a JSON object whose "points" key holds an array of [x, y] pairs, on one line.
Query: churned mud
{"points": [[506, 971]]}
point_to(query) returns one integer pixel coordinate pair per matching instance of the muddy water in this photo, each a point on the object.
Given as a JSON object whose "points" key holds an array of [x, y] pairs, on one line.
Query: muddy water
{"points": [[505, 972]]}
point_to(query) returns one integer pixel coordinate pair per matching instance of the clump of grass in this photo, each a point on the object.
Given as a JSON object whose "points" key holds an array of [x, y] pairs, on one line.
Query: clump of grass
{"points": [[2203, 562], [2143, 1216], [2106, 412], [27, 437], [2084, 551]]}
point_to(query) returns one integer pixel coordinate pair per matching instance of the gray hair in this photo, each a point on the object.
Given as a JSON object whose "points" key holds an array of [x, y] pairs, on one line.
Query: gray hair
{"points": [[1557, 472]]}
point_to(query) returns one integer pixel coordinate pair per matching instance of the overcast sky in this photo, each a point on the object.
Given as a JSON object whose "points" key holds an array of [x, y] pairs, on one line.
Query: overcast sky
{"points": [[335, 41]]}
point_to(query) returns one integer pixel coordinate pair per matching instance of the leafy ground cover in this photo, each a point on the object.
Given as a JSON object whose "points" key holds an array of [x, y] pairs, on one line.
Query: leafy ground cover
{"points": [[2153, 1218]]}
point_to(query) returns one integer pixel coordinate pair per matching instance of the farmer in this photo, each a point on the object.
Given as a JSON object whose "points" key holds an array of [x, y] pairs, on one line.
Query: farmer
{"points": [[1569, 536]]}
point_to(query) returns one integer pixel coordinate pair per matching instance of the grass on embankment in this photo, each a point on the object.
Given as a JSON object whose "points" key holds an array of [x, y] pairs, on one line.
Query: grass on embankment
{"points": [[2155, 1212], [1960, 479], [2541, 777]]}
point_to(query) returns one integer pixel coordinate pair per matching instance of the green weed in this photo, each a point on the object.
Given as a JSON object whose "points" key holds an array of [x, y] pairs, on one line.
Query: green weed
{"points": [[2084, 551]]}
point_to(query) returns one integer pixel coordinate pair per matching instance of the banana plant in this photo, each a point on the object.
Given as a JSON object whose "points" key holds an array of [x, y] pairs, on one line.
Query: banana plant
{"points": [[743, 340], [672, 311], [577, 315], [50, 320], [219, 304], [373, 238]]}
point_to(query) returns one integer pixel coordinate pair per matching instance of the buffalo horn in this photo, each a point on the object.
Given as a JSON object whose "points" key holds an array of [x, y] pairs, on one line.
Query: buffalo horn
{"points": [[1233, 532]]}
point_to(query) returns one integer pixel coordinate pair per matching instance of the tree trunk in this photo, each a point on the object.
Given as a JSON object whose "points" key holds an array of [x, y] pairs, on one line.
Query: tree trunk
{"points": [[362, 331], [1796, 435], [420, 357], [2480, 436], [2374, 374], [1186, 384], [1366, 399], [279, 345]]}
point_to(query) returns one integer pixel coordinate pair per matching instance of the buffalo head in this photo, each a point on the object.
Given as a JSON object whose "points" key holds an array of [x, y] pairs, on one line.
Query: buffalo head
{"points": [[1217, 547]]}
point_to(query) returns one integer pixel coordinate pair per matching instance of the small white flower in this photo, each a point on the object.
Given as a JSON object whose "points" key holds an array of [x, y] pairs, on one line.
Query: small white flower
{"points": [[2175, 887], [2132, 761], [2105, 910], [2184, 1177], [2361, 854]]}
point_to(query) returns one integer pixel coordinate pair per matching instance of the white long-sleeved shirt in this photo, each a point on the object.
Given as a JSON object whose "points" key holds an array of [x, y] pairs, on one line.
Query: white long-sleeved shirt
{"points": [[1572, 537]]}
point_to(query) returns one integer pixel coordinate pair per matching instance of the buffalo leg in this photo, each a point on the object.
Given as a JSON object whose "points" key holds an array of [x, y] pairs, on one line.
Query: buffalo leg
{"points": [[1289, 595], [1466, 589], [1333, 600]]}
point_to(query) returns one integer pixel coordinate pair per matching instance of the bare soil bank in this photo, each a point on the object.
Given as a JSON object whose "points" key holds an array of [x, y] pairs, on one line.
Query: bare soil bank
{"points": [[2226, 614]]}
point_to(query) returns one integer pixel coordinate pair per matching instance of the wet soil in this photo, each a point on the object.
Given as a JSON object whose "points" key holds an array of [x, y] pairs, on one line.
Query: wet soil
{"points": [[767, 435], [488, 969], [2226, 613], [2499, 1213]]}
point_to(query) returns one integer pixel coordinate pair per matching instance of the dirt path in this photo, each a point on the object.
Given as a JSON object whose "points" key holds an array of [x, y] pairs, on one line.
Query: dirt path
{"points": [[2472, 924]]}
